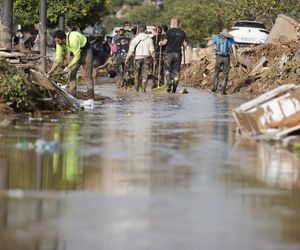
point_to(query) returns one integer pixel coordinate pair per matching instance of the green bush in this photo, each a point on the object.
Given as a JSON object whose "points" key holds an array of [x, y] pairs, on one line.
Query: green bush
{"points": [[13, 88]]}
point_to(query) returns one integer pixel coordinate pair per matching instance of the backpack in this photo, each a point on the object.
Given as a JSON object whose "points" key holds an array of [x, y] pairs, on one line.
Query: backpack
{"points": [[122, 45], [223, 47]]}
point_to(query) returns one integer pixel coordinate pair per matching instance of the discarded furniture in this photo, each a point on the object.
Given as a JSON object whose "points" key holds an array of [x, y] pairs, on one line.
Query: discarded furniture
{"points": [[258, 115]]}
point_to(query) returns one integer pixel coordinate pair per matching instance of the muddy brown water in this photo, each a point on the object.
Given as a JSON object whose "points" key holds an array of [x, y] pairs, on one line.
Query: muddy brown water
{"points": [[145, 172]]}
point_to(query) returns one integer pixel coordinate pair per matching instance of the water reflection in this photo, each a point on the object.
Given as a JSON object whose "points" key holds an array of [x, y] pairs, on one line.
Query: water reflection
{"points": [[273, 165], [34, 168], [278, 167], [128, 147]]}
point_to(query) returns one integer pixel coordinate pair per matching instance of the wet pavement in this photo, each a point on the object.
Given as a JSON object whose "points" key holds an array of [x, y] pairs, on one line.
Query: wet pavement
{"points": [[145, 172]]}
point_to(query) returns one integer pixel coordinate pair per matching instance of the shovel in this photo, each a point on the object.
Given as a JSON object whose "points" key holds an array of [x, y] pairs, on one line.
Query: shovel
{"points": [[184, 91], [163, 88]]}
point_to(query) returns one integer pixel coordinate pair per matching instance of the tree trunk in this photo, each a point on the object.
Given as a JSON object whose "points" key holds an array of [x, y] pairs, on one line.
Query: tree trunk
{"points": [[43, 33], [61, 23], [6, 24]]}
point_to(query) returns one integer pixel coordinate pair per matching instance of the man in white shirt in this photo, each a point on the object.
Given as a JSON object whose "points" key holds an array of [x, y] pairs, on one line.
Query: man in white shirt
{"points": [[142, 48]]}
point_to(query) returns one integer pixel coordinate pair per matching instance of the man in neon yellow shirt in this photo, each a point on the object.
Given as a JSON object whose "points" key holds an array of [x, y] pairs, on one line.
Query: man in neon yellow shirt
{"points": [[77, 44]]}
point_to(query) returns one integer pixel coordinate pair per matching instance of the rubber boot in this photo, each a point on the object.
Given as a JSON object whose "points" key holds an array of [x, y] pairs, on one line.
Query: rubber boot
{"points": [[90, 89], [215, 87], [175, 84], [144, 83], [154, 85], [224, 84], [137, 86], [169, 86], [90, 93], [118, 82]]}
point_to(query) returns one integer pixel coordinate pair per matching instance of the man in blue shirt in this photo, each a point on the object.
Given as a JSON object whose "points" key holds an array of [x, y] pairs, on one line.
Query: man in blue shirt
{"points": [[224, 43]]}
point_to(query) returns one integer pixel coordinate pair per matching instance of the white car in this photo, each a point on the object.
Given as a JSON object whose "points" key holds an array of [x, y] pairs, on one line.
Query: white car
{"points": [[249, 32]]}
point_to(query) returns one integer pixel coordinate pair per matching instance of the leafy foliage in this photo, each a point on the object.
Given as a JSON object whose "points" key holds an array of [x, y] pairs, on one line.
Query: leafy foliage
{"points": [[115, 4], [266, 9], [13, 88], [77, 12], [203, 18], [145, 14]]}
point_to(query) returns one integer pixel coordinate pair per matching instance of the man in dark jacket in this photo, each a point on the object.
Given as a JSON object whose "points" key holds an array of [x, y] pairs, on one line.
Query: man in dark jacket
{"points": [[174, 40]]}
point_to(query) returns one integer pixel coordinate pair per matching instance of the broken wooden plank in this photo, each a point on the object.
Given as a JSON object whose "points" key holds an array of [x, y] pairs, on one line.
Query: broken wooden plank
{"points": [[257, 66], [44, 81], [40, 79], [12, 54], [25, 65]]}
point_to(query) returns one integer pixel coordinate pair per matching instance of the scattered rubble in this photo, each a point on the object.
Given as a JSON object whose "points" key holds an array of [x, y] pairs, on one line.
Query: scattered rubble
{"points": [[259, 68]]}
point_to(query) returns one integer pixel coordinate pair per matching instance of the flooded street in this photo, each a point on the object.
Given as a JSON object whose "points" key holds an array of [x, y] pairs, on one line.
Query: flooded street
{"points": [[145, 172]]}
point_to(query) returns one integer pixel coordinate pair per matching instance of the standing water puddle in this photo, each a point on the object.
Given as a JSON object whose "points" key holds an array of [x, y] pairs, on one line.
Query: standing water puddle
{"points": [[145, 172]]}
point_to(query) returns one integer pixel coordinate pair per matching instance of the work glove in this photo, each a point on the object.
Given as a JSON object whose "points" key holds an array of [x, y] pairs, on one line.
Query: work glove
{"points": [[66, 70]]}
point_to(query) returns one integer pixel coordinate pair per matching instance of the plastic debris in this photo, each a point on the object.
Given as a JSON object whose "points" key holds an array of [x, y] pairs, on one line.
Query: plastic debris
{"points": [[40, 146], [31, 119], [5, 123], [87, 104]]}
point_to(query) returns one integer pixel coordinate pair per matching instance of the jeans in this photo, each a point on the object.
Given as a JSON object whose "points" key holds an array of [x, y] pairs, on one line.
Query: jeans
{"points": [[86, 60], [141, 72], [225, 62]]}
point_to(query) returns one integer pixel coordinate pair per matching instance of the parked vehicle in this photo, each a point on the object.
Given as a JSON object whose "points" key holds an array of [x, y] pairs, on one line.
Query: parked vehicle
{"points": [[249, 32]]}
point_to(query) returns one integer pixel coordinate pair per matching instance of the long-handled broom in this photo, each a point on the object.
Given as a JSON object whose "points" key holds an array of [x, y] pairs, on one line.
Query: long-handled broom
{"points": [[163, 88]]}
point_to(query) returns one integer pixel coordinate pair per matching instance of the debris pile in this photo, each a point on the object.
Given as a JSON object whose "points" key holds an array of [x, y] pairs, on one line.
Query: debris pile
{"points": [[23, 88], [258, 69], [15, 89]]}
